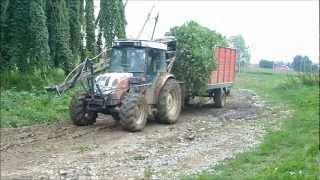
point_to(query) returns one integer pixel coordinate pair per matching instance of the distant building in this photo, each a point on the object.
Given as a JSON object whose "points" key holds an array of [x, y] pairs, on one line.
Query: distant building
{"points": [[281, 68]]}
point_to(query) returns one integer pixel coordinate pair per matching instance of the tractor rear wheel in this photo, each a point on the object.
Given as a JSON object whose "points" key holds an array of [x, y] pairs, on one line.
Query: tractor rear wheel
{"points": [[170, 102], [219, 98], [133, 112], [79, 114]]}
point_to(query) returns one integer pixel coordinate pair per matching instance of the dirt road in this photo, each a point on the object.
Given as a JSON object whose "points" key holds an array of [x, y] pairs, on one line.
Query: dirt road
{"points": [[203, 137]]}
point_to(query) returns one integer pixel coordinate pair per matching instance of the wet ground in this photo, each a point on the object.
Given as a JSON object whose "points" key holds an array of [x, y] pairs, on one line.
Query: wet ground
{"points": [[203, 137]]}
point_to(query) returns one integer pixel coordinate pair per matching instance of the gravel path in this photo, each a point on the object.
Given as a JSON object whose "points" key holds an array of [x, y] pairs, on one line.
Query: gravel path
{"points": [[203, 137]]}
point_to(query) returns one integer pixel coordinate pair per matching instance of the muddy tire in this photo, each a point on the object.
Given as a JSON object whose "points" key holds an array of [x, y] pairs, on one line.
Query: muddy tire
{"points": [[219, 98], [79, 114], [115, 116], [170, 103], [133, 112]]}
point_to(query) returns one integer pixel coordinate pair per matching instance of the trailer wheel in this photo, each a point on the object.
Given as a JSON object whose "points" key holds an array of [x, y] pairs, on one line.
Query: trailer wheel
{"points": [[170, 102], [79, 114], [219, 98], [228, 91], [133, 112]]}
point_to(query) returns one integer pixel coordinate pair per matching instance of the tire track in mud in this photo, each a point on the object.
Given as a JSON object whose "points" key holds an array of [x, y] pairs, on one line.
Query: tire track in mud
{"points": [[203, 137]]}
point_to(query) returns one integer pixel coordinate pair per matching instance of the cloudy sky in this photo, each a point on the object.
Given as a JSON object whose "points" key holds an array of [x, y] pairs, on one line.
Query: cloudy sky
{"points": [[275, 30]]}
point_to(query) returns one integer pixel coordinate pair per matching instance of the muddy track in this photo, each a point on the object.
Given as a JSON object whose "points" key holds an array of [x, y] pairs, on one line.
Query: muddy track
{"points": [[203, 137]]}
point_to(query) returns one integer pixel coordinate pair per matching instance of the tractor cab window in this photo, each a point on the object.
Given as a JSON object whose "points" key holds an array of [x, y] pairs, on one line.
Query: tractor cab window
{"points": [[128, 59], [155, 61]]}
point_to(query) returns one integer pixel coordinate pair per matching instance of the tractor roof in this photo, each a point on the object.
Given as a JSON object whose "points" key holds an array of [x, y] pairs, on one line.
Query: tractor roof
{"points": [[140, 43]]}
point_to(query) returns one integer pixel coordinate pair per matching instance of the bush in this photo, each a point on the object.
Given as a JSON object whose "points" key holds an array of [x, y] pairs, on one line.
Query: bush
{"points": [[303, 79], [266, 64], [195, 58], [309, 79], [28, 81]]}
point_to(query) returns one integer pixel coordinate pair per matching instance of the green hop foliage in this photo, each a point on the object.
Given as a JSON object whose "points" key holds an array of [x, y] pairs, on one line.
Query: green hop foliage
{"points": [[195, 59]]}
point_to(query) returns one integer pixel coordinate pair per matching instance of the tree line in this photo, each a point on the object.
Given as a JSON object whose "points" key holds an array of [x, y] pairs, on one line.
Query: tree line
{"points": [[299, 63], [39, 35]]}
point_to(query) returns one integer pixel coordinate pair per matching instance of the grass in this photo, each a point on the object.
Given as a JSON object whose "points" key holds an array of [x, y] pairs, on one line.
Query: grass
{"points": [[258, 70], [293, 151], [24, 101], [24, 108]]}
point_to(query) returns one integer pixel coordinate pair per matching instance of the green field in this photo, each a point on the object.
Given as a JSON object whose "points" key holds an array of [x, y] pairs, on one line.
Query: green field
{"points": [[293, 151]]}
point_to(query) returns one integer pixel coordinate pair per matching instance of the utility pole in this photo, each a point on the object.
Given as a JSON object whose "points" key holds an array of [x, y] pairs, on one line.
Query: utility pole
{"points": [[155, 24], [304, 66], [145, 22]]}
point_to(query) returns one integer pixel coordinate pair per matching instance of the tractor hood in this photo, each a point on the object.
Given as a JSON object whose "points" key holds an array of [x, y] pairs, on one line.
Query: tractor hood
{"points": [[112, 82]]}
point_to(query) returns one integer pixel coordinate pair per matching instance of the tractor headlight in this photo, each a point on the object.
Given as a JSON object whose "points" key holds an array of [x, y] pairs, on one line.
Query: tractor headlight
{"points": [[103, 80]]}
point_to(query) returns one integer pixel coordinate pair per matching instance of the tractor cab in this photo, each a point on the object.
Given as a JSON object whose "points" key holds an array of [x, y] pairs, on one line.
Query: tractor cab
{"points": [[138, 57]]}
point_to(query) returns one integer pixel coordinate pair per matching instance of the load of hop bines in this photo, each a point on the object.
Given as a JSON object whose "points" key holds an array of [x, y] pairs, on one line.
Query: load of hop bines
{"points": [[195, 59]]}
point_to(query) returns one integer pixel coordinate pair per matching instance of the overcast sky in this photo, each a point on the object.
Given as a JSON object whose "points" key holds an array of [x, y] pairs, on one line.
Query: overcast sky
{"points": [[275, 30]]}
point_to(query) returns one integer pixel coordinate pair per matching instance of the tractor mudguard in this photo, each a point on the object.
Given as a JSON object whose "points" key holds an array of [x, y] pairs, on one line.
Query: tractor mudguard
{"points": [[161, 82], [152, 93]]}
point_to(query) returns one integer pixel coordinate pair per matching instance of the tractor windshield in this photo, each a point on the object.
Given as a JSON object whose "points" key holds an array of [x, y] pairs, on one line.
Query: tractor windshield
{"points": [[128, 59]]}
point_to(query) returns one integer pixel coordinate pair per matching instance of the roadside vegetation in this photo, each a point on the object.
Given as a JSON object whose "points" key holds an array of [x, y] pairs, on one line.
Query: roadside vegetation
{"points": [[291, 152], [24, 101], [42, 54], [23, 108]]}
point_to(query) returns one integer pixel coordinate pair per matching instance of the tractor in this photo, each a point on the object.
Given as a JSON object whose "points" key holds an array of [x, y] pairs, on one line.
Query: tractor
{"points": [[137, 85]]}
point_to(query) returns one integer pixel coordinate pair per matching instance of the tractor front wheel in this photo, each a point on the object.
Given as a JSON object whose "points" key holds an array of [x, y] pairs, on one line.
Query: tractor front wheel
{"points": [[133, 112], [79, 114], [170, 102]]}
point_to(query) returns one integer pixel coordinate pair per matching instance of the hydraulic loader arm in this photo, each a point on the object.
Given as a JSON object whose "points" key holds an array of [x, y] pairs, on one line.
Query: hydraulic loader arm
{"points": [[66, 85], [84, 70], [70, 81]]}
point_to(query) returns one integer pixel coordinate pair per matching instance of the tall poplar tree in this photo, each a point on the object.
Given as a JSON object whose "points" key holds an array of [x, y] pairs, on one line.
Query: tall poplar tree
{"points": [[16, 34], [38, 33], [120, 20], [90, 28], [106, 22], [3, 39], [75, 26], [112, 20], [59, 34], [3, 12], [82, 11]]}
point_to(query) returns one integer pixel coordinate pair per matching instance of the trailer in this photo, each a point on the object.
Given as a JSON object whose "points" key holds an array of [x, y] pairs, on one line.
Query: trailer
{"points": [[222, 79]]}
